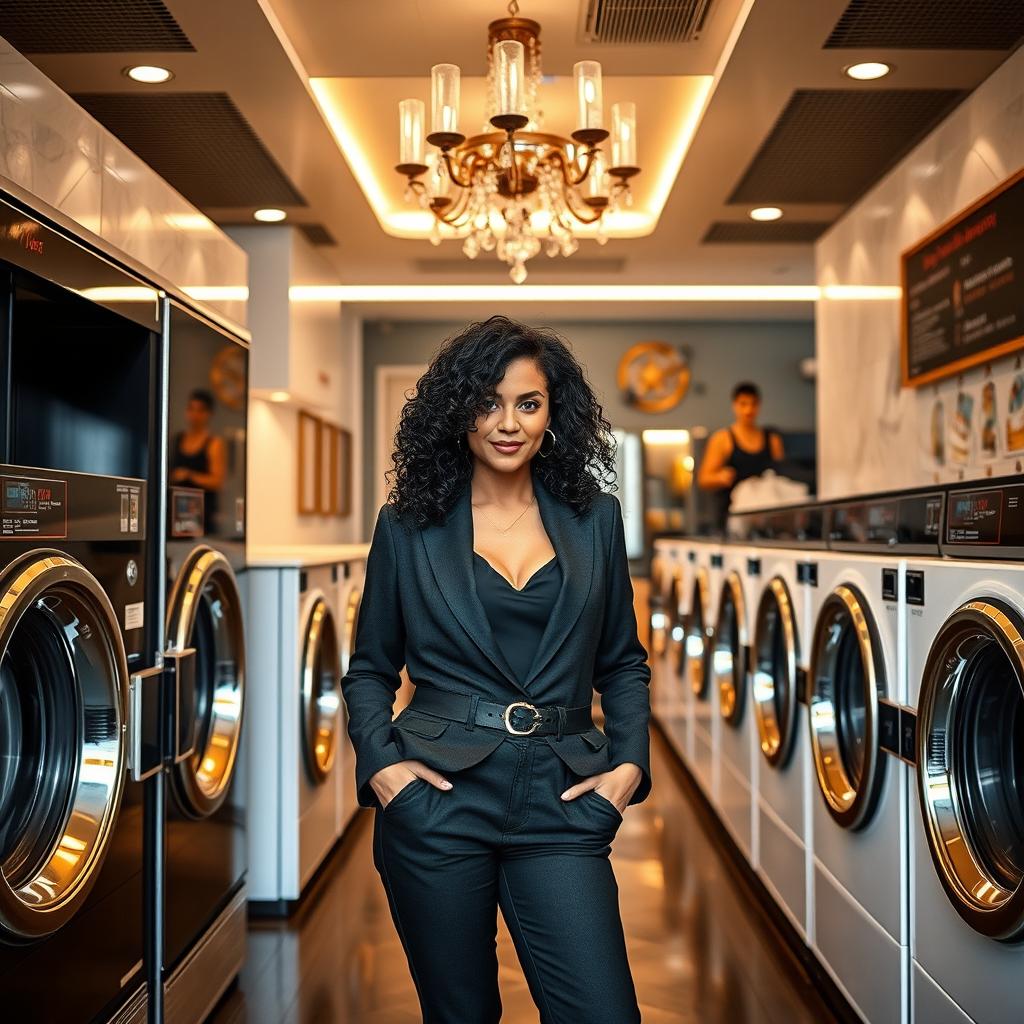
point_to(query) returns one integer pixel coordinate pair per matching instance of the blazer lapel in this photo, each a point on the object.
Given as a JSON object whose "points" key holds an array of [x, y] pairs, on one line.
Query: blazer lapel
{"points": [[573, 541], [449, 547]]}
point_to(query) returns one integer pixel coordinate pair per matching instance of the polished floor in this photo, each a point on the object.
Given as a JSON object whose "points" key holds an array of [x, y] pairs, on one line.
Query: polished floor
{"points": [[700, 949]]}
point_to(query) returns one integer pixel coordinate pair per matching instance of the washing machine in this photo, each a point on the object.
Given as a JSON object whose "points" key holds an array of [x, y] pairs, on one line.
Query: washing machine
{"points": [[698, 630], [736, 767], [294, 787], [856, 684], [675, 710], [79, 624], [201, 840], [965, 659], [784, 540], [350, 592], [79, 732], [663, 567]]}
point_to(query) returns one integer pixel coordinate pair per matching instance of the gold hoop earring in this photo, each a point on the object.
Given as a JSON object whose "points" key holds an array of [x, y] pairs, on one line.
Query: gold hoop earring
{"points": [[554, 440]]}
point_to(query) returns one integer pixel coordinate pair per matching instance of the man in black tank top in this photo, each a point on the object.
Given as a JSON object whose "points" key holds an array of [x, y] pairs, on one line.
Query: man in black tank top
{"points": [[738, 452]]}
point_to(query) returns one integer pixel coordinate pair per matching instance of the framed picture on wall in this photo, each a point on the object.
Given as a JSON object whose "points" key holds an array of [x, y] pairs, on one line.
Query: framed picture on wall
{"points": [[327, 489], [310, 458], [342, 464]]}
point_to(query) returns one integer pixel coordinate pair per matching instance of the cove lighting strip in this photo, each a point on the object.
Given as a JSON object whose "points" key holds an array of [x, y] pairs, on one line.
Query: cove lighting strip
{"points": [[501, 293]]}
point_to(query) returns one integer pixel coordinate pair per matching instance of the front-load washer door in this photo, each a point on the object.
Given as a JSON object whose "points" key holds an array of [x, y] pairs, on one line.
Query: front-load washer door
{"points": [[847, 678], [349, 623], [63, 692], [970, 764], [728, 651], [775, 658], [320, 691], [674, 625], [696, 639], [658, 624], [205, 613]]}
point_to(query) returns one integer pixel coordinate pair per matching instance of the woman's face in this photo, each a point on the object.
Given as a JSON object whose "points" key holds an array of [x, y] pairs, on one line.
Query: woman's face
{"points": [[510, 432]]}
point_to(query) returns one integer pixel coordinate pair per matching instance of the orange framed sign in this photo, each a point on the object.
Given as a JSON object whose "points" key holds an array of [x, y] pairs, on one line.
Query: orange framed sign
{"points": [[963, 289]]}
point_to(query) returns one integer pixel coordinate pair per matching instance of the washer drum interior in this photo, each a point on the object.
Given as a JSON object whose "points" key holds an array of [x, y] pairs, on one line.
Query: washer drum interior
{"points": [[63, 700], [775, 673], [970, 765], [320, 690], [696, 635], [205, 613], [847, 678], [729, 651]]}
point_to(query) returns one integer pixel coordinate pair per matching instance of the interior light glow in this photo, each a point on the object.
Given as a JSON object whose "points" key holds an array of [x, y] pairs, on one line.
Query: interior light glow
{"points": [[868, 70], [269, 216], [765, 213], [149, 74]]}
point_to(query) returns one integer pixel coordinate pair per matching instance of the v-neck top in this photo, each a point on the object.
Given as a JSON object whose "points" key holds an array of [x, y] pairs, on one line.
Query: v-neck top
{"points": [[517, 617]]}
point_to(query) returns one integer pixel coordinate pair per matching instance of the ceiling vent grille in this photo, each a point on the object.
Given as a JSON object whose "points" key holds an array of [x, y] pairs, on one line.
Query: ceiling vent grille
{"points": [[831, 145], [200, 143], [317, 234], [793, 232], [645, 21], [91, 26], [929, 25]]}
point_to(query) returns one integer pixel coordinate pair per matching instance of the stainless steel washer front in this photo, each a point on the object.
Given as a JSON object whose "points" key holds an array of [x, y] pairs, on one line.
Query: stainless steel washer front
{"points": [[970, 758], [63, 693], [205, 613], [846, 681], [350, 622], [321, 690], [775, 657]]}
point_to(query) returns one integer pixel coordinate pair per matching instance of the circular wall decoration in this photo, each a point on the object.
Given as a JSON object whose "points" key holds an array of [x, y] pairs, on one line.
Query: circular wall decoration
{"points": [[654, 376], [227, 375]]}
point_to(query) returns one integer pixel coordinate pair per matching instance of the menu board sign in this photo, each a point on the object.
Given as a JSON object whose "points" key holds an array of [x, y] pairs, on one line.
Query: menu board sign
{"points": [[963, 289]]}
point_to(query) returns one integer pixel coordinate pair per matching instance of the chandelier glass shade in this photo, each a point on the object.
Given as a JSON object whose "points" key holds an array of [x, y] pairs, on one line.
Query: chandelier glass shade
{"points": [[513, 188]]}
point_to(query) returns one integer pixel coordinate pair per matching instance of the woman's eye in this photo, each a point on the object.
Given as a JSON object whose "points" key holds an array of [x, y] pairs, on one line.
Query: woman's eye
{"points": [[531, 403]]}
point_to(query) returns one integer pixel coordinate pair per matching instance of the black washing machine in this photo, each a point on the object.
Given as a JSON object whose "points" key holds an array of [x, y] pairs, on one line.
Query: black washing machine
{"points": [[81, 608], [203, 839], [77, 736]]}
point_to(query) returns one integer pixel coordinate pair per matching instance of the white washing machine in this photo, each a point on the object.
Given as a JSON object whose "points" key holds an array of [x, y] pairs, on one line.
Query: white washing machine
{"points": [[663, 565], [856, 683], [673, 706], [698, 631], [786, 540], [294, 770], [736, 766], [350, 592], [965, 658]]}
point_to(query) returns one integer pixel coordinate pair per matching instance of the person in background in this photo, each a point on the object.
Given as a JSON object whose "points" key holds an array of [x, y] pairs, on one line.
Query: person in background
{"points": [[199, 457], [739, 451]]}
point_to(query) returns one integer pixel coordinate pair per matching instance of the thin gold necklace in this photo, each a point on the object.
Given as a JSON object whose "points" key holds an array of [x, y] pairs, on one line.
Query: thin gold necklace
{"points": [[505, 529]]}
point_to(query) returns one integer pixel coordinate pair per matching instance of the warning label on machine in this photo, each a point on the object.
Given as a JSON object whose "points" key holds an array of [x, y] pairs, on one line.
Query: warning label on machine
{"points": [[33, 508]]}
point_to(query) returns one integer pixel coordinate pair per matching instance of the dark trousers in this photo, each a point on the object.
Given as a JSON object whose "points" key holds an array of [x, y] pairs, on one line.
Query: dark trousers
{"points": [[503, 837]]}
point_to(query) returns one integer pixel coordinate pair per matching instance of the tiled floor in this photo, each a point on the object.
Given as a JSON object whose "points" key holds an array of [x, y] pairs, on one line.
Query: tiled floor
{"points": [[699, 952]]}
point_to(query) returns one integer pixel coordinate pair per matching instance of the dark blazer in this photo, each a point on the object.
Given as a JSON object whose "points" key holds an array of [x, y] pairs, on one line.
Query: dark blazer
{"points": [[420, 609]]}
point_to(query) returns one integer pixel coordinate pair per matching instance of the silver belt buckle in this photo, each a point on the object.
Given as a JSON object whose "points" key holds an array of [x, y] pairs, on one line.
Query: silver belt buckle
{"points": [[537, 718]]}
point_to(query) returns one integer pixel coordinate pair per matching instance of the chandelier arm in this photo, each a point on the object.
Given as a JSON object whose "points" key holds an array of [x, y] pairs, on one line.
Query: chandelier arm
{"points": [[558, 157], [586, 218], [455, 212], [453, 174]]}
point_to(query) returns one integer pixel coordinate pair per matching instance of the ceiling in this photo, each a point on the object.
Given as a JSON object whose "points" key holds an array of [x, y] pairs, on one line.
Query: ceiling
{"points": [[777, 122]]}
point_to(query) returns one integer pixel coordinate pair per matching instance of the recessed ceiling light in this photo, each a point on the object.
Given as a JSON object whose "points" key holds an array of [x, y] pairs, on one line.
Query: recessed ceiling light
{"points": [[868, 70], [149, 74], [765, 213], [269, 216], [279, 396]]}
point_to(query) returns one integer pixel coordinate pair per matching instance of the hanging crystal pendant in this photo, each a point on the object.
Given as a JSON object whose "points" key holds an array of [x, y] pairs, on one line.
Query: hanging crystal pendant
{"points": [[435, 233], [518, 272]]}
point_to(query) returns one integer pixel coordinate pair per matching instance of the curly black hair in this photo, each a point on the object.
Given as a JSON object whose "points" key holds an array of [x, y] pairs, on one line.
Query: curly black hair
{"points": [[431, 462]]}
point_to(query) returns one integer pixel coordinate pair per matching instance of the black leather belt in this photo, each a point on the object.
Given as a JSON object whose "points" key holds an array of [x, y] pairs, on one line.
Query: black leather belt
{"points": [[520, 718]]}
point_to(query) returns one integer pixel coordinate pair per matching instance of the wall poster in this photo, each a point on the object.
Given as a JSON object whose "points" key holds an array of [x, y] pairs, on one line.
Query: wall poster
{"points": [[963, 294]]}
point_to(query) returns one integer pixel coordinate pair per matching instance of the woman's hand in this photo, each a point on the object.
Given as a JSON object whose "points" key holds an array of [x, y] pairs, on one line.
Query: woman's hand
{"points": [[395, 777], [619, 785]]}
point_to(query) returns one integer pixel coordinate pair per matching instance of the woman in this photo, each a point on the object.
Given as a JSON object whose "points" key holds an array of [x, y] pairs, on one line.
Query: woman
{"points": [[199, 457], [497, 575]]}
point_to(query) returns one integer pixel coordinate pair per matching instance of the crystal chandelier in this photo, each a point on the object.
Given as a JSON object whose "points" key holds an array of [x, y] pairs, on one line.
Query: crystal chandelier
{"points": [[514, 188]]}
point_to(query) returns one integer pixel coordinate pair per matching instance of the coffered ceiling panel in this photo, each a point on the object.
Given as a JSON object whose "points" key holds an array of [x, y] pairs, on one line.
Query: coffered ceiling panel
{"points": [[930, 25], [830, 145], [91, 26], [199, 142]]}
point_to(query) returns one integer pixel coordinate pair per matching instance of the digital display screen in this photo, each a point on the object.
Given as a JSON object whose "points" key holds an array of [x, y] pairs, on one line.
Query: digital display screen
{"points": [[976, 517], [19, 496]]}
